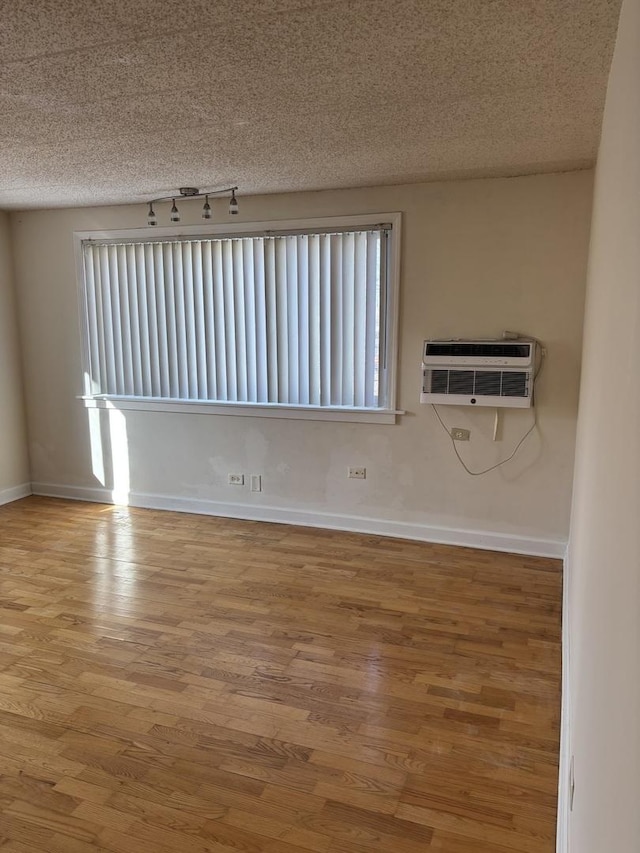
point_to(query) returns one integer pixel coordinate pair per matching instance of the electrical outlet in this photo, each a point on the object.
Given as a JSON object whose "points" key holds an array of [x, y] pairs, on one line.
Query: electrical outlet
{"points": [[235, 479], [357, 474], [460, 434], [256, 483]]}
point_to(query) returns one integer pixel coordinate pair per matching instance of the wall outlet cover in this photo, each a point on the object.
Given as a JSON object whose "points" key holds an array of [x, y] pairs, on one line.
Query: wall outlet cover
{"points": [[460, 434]]}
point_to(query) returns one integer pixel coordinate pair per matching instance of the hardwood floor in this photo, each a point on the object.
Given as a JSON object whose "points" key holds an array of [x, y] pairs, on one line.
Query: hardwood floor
{"points": [[172, 682]]}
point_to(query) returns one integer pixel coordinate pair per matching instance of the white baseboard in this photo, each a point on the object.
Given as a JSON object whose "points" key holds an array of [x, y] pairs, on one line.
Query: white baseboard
{"points": [[564, 771], [15, 493], [490, 541]]}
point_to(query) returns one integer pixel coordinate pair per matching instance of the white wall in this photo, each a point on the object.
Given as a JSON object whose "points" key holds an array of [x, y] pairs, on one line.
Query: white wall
{"points": [[604, 555], [478, 257], [14, 465]]}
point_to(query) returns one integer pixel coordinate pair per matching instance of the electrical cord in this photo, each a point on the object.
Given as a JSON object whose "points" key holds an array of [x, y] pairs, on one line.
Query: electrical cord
{"points": [[543, 353], [498, 464]]}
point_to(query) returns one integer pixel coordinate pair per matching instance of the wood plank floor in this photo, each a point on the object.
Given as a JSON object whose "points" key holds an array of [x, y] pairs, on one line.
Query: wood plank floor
{"points": [[172, 682]]}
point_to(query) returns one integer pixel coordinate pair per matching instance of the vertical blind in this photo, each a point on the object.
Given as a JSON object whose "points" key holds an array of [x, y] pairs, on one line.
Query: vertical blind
{"points": [[295, 319]]}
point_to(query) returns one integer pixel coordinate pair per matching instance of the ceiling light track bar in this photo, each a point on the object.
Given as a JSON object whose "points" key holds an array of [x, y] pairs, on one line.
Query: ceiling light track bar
{"points": [[188, 193], [192, 192]]}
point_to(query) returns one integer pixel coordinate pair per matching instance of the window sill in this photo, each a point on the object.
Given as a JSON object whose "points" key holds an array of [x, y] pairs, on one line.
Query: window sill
{"points": [[262, 410]]}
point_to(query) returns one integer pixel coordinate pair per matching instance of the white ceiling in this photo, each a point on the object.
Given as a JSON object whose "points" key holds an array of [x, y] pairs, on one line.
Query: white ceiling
{"points": [[114, 101]]}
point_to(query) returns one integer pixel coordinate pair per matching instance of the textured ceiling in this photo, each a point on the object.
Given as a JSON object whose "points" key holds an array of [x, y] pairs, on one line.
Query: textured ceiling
{"points": [[114, 101]]}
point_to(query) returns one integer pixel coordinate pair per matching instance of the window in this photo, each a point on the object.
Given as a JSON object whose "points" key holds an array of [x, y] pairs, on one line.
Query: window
{"points": [[277, 320]]}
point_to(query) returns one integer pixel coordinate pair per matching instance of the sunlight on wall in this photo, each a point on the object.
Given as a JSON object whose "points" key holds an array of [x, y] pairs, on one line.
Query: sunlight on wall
{"points": [[119, 456], [119, 447], [95, 440]]}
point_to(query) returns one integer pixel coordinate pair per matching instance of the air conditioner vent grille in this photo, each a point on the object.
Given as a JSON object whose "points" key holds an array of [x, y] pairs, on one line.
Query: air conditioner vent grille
{"points": [[480, 383], [514, 384], [481, 349]]}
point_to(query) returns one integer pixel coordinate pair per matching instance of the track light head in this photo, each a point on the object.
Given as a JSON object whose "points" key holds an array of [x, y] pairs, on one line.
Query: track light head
{"points": [[233, 203], [206, 208], [152, 219], [175, 214]]}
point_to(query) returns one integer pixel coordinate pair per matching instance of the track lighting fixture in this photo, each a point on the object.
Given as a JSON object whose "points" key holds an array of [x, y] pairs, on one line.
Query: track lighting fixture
{"points": [[192, 192]]}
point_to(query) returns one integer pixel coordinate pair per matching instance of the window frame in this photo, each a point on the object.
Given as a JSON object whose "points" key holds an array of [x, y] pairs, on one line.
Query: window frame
{"points": [[383, 415]]}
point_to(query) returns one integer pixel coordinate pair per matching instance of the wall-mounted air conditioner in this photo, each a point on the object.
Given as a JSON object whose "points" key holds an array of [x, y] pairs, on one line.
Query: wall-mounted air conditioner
{"points": [[479, 373]]}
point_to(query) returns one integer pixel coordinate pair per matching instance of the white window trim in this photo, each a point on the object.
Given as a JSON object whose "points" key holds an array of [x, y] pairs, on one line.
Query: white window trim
{"points": [[257, 410], [264, 410]]}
